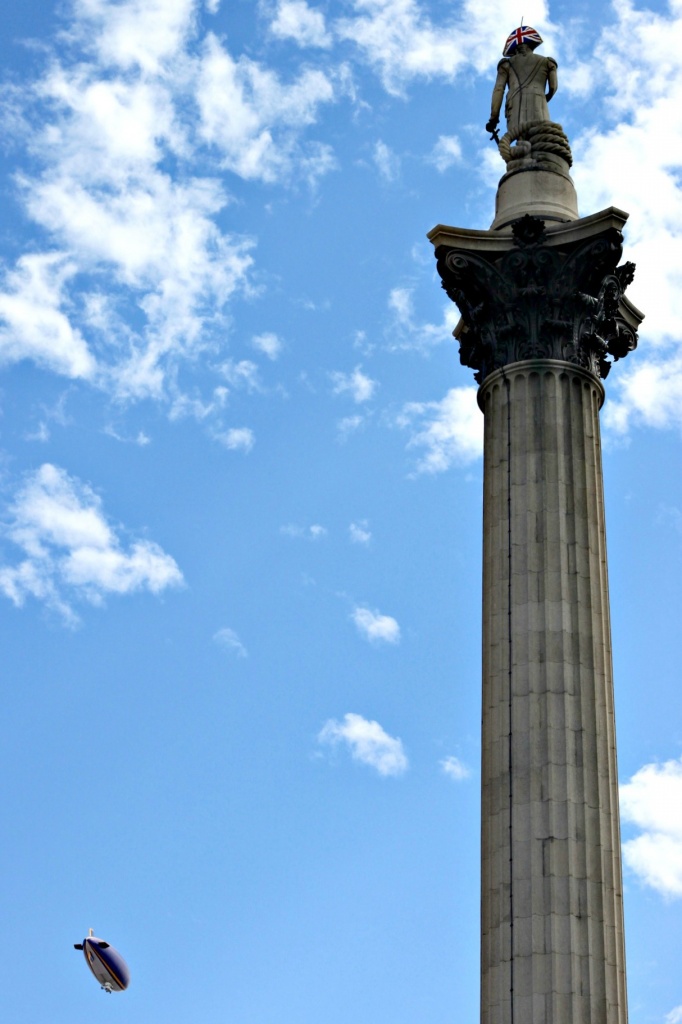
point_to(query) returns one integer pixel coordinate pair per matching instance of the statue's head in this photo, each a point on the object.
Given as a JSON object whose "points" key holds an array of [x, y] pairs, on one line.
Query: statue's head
{"points": [[524, 36]]}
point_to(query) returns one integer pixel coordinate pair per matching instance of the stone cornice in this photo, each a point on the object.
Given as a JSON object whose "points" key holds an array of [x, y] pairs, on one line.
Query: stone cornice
{"points": [[502, 239], [530, 292]]}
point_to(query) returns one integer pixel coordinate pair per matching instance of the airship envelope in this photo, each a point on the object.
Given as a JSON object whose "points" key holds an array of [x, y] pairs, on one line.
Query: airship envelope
{"points": [[105, 962]]}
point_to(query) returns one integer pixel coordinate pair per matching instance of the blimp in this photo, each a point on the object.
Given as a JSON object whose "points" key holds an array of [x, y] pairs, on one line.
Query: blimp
{"points": [[105, 962]]}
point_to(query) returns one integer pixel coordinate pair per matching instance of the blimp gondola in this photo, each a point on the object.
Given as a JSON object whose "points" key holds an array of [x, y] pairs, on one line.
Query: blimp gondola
{"points": [[106, 963]]}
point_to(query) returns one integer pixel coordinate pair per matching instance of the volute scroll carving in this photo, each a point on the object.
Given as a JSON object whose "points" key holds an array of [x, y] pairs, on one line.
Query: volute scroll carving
{"points": [[541, 301]]}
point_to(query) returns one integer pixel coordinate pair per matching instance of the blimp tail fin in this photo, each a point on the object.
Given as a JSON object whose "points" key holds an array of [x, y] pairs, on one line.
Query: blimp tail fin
{"points": [[103, 945], [78, 945]]}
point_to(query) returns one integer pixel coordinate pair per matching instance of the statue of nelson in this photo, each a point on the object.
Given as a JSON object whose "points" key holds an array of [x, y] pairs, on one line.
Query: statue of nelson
{"points": [[530, 82]]}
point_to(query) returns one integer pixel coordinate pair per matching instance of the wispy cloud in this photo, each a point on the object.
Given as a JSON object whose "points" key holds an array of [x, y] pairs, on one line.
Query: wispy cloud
{"points": [[138, 272], [356, 384], [406, 331], [70, 550], [446, 153], [254, 120], [203, 410], [449, 432], [359, 533], [134, 244], [401, 42], [386, 161], [652, 801], [268, 343], [40, 434], [649, 394], [313, 532], [348, 425], [241, 374], [33, 321], [228, 639], [305, 25], [140, 439], [375, 627], [54, 413], [367, 742], [454, 768], [635, 161], [237, 439]]}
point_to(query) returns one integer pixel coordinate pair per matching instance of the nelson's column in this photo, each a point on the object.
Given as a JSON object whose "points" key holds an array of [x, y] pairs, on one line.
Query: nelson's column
{"points": [[543, 314]]}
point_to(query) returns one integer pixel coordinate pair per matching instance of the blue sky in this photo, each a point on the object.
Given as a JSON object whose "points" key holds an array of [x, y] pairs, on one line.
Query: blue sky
{"points": [[241, 498]]}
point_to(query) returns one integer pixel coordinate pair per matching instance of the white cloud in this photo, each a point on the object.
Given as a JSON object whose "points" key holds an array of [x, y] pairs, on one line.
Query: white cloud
{"points": [[675, 1016], [313, 532], [652, 800], [401, 304], [33, 324], [157, 241], [228, 638], [241, 374], [401, 42], [450, 432], [41, 433], [635, 164], [361, 343], [359, 533], [142, 34], [386, 161], [268, 343], [184, 405], [349, 425], [296, 20], [237, 439], [446, 153], [140, 439], [367, 742], [357, 384], [454, 768], [253, 119], [647, 393], [376, 627], [135, 245], [406, 332], [139, 273], [56, 413], [70, 549]]}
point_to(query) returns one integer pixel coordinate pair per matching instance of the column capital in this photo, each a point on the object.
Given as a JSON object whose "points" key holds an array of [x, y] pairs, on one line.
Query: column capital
{"points": [[537, 292]]}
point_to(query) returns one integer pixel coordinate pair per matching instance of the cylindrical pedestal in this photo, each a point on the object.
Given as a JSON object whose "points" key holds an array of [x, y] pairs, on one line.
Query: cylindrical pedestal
{"points": [[540, 193], [552, 948]]}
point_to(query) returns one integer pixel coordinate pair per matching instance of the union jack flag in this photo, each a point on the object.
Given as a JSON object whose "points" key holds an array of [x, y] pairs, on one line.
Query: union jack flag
{"points": [[523, 34]]}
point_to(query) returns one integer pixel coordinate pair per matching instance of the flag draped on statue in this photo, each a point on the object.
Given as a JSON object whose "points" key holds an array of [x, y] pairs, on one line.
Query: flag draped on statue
{"points": [[523, 34]]}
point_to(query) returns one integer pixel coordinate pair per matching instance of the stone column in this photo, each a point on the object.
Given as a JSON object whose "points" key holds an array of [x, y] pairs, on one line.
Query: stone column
{"points": [[544, 313], [552, 947]]}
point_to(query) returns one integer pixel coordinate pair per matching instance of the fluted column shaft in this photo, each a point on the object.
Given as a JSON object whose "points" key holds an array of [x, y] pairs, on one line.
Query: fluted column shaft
{"points": [[552, 947]]}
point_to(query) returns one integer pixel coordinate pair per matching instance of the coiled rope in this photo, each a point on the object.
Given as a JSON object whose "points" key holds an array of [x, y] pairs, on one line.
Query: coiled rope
{"points": [[543, 136]]}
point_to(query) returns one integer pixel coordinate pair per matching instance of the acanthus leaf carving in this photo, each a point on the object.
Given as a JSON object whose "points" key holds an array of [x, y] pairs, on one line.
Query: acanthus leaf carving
{"points": [[540, 301]]}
